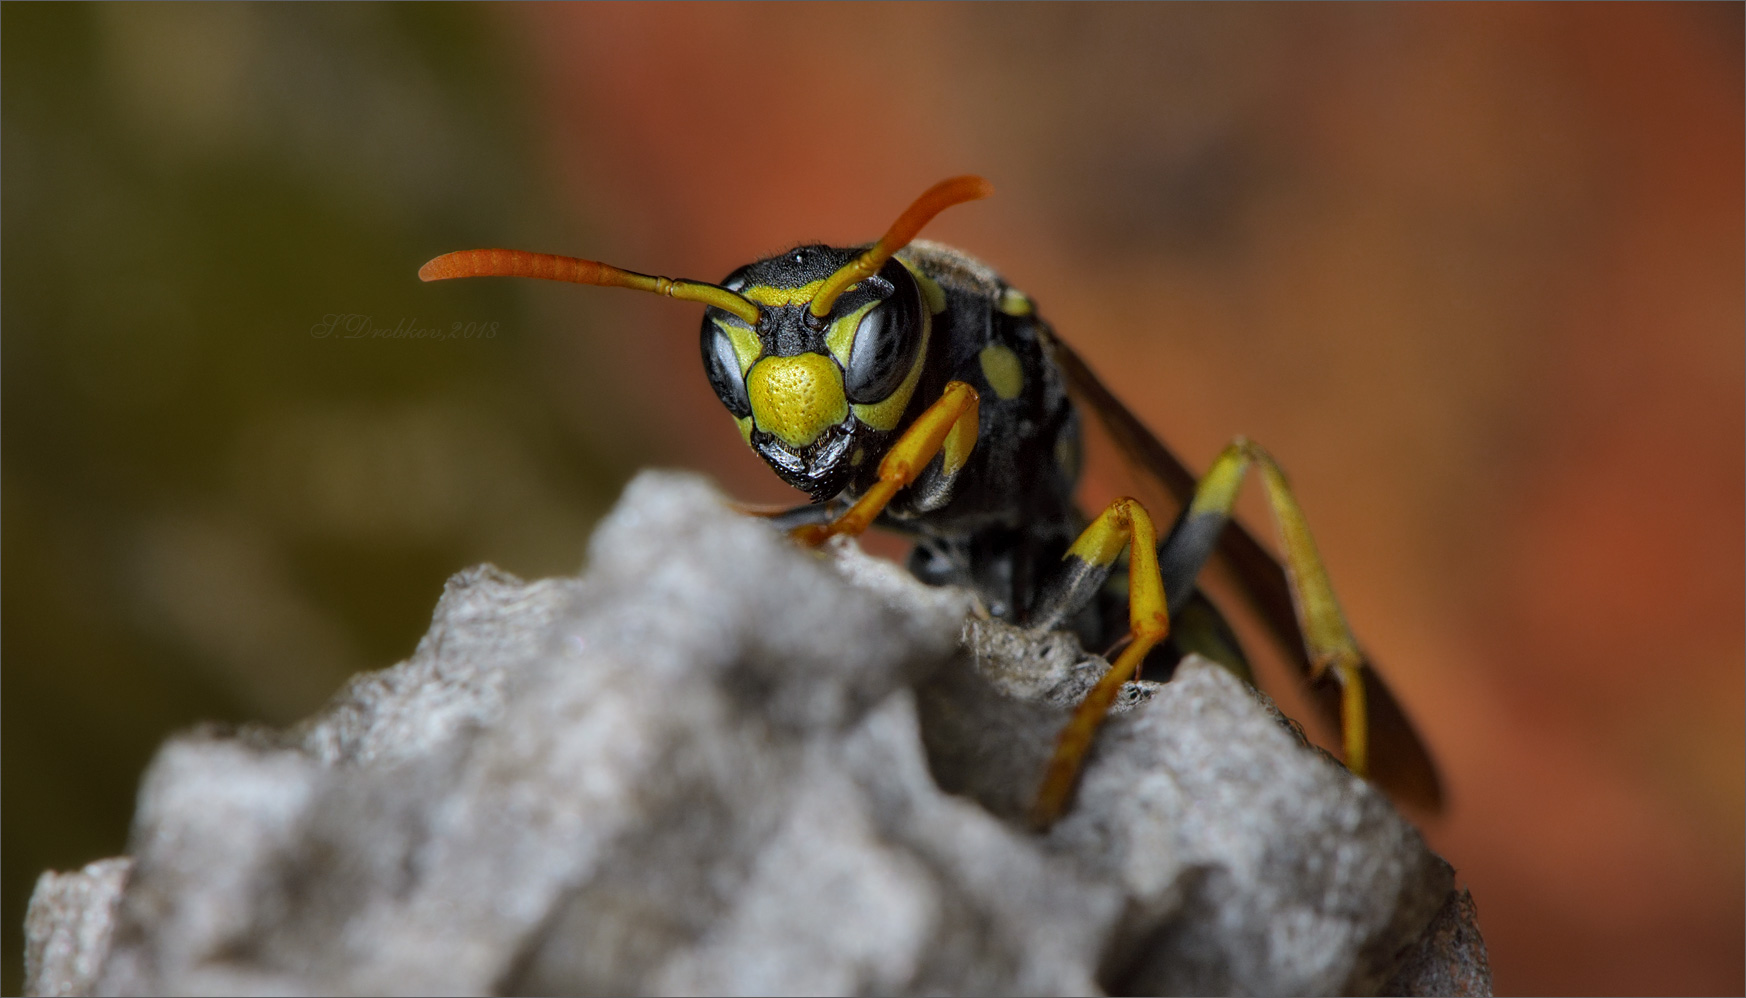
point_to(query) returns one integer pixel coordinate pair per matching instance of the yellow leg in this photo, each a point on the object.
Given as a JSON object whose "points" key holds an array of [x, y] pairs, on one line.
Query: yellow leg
{"points": [[1326, 637], [1124, 524], [949, 425], [1325, 633]]}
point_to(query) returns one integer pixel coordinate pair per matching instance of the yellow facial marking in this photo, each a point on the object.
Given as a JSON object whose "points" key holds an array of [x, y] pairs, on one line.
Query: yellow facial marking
{"points": [[796, 398], [1002, 369], [841, 339], [1015, 302], [884, 415], [931, 291], [856, 458], [745, 343], [745, 425], [764, 294]]}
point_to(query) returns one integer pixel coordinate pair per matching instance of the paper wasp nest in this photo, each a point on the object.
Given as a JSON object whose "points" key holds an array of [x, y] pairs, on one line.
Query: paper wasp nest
{"points": [[716, 763]]}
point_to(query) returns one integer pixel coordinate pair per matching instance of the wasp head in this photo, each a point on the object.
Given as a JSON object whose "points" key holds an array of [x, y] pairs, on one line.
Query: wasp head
{"points": [[817, 396]]}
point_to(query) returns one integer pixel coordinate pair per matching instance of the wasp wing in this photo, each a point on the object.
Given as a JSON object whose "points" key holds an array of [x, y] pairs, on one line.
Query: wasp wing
{"points": [[1399, 762]]}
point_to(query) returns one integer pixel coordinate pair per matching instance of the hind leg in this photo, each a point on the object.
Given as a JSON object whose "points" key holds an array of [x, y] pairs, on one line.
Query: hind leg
{"points": [[1327, 638], [1162, 584]]}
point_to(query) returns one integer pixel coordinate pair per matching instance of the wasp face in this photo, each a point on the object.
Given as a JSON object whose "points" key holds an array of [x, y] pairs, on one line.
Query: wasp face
{"points": [[817, 397]]}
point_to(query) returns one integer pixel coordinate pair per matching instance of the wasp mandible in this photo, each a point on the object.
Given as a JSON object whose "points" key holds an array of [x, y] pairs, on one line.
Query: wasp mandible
{"points": [[905, 384]]}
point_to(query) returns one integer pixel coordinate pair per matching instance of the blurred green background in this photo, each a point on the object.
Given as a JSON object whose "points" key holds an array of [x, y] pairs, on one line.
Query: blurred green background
{"points": [[212, 510], [1473, 272]]}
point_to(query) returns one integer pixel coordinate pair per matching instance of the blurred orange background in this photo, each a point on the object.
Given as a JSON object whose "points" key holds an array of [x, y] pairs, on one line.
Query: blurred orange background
{"points": [[1474, 273]]}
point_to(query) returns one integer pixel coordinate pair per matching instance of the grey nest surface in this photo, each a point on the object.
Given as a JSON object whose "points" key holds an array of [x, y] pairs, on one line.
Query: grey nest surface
{"points": [[718, 763]]}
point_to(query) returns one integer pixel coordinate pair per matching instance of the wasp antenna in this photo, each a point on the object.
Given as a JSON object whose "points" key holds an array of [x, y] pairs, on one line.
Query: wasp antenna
{"points": [[549, 267], [934, 200]]}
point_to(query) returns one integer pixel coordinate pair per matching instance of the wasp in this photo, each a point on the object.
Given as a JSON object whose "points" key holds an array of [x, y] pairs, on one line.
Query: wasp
{"points": [[907, 385]]}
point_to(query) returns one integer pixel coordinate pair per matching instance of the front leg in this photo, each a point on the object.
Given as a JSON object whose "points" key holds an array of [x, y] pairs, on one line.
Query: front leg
{"points": [[789, 518], [947, 427]]}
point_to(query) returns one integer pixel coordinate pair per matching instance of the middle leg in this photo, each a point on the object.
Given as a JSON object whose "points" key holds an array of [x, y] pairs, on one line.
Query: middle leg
{"points": [[1123, 525]]}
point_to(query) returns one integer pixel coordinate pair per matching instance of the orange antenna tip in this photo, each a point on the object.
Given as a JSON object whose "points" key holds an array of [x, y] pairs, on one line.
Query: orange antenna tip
{"points": [[440, 269]]}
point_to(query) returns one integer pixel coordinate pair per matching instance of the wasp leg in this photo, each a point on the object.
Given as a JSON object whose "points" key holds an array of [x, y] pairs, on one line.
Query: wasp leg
{"points": [[1326, 637], [947, 427], [790, 517], [1123, 524]]}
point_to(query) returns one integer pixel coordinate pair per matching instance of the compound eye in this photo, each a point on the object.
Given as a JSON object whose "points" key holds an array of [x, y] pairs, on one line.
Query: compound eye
{"points": [[722, 365], [885, 346]]}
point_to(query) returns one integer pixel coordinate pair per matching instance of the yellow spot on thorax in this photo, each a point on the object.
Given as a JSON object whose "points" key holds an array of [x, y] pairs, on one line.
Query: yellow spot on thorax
{"points": [[1005, 374], [796, 398], [1015, 302]]}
